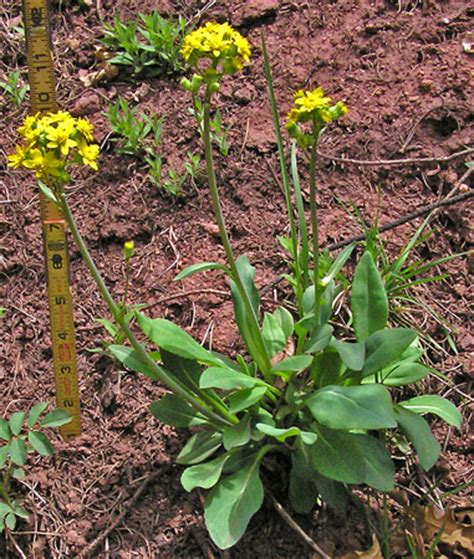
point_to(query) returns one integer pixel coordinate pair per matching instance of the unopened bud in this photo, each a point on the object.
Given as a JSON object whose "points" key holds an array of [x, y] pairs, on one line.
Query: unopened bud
{"points": [[128, 249]]}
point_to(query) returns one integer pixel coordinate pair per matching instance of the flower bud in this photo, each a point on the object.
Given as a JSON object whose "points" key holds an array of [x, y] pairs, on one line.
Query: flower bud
{"points": [[186, 84], [128, 249]]}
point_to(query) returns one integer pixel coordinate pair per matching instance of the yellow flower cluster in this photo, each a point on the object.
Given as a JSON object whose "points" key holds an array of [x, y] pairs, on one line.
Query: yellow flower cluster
{"points": [[53, 140], [218, 43], [313, 104]]}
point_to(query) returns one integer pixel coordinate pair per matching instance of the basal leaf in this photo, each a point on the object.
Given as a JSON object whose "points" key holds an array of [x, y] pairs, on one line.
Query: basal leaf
{"points": [[174, 411], [319, 339], [352, 354], [285, 320], [130, 358], [273, 334], [282, 434], [225, 379], [186, 371], [245, 398], [337, 456], [380, 470], [369, 300], [385, 347], [437, 405], [332, 492], [18, 452], [201, 267], [231, 504], [293, 364], [204, 475], [419, 433], [199, 447], [302, 493], [405, 373], [5, 432], [238, 434], [353, 407]]}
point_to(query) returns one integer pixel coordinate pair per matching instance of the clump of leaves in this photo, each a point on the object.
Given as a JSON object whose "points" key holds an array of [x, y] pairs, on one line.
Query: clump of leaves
{"points": [[18, 441], [150, 43], [15, 88]]}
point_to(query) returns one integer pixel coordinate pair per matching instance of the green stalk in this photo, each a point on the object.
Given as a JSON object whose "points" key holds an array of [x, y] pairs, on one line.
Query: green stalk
{"points": [[262, 359], [225, 417], [314, 225]]}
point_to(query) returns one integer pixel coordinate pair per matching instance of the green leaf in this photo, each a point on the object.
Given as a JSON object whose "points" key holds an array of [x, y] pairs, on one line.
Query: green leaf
{"points": [[319, 339], [40, 442], [20, 511], [16, 422], [226, 379], [380, 470], [385, 347], [201, 267], [56, 418], [282, 434], [352, 354], [199, 447], [293, 364], [285, 320], [332, 492], [369, 300], [172, 338], [18, 452], [405, 373], [231, 504], [35, 412], [337, 456], [419, 433], [338, 263], [174, 411], [131, 359], [326, 368], [436, 405], [4, 451], [238, 434], [245, 398], [353, 407], [273, 335], [18, 473], [302, 493], [5, 432], [187, 371], [47, 191], [204, 475], [10, 521]]}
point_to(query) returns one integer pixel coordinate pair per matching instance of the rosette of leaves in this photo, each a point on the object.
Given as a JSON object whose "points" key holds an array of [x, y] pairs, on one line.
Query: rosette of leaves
{"points": [[327, 410], [20, 439]]}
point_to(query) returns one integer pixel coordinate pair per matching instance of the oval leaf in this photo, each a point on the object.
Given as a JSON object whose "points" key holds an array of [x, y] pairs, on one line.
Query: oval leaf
{"points": [[199, 447], [35, 412], [385, 347], [174, 411], [56, 418], [16, 422], [245, 398], [436, 405], [380, 470], [352, 354], [203, 475], [369, 300], [238, 434], [130, 358], [231, 504], [226, 379], [293, 364], [39, 441], [5, 432], [18, 452], [353, 407]]}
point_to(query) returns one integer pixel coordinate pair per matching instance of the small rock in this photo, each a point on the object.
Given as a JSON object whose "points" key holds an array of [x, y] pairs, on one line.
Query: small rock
{"points": [[211, 228], [252, 11], [243, 95], [86, 105], [426, 85]]}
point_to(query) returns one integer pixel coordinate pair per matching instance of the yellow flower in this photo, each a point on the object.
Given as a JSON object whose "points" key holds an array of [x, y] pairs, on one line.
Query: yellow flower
{"points": [[85, 128], [44, 165], [219, 43], [60, 136], [15, 160], [314, 104], [89, 155]]}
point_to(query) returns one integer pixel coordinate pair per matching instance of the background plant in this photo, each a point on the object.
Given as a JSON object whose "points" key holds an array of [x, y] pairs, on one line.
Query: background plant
{"points": [[150, 43], [15, 88], [18, 441]]}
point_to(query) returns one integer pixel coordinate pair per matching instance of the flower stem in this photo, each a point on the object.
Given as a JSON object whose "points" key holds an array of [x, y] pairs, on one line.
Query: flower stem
{"points": [[314, 227], [160, 373], [262, 358]]}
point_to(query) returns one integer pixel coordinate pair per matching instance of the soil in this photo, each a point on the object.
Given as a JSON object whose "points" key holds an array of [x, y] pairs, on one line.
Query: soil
{"points": [[405, 76]]}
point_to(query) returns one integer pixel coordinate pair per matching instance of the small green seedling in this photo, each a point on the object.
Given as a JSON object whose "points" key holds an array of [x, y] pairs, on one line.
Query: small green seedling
{"points": [[15, 87], [19, 440]]}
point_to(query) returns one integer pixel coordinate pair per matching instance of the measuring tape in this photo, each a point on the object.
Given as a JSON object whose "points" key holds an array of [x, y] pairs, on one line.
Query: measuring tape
{"points": [[43, 99]]}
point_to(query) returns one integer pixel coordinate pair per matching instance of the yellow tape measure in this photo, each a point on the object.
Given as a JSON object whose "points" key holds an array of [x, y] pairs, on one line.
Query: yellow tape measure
{"points": [[43, 99]]}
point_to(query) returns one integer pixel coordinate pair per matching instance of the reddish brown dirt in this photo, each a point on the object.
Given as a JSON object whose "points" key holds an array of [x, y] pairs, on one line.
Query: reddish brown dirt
{"points": [[393, 63]]}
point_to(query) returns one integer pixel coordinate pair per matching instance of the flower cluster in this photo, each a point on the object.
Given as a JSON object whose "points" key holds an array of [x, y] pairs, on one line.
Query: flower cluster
{"points": [[312, 106], [219, 44], [51, 142]]}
